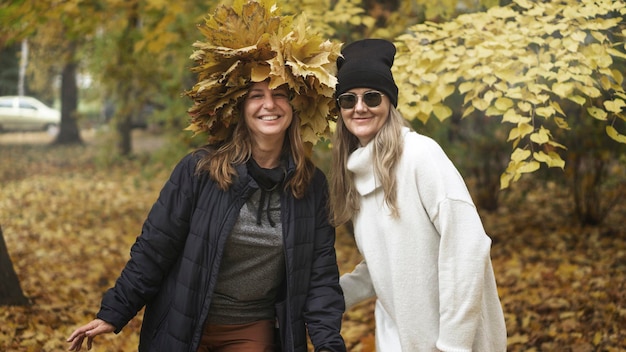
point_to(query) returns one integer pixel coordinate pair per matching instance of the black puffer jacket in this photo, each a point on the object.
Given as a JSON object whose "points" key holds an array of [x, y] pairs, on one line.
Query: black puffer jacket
{"points": [[174, 264]]}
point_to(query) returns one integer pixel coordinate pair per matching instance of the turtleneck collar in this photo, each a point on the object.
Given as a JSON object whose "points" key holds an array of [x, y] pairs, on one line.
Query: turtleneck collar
{"points": [[360, 163]]}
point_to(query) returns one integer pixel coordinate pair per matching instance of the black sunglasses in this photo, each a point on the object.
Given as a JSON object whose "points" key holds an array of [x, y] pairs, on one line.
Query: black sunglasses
{"points": [[371, 98]]}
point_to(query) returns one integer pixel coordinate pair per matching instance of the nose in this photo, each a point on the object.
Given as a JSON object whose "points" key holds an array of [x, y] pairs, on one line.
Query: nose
{"points": [[360, 104], [268, 101]]}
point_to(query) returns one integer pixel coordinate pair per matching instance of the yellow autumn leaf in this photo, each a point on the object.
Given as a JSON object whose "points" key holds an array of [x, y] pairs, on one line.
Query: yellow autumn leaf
{"points": [[513, 117], [444, 91], [551, 159], [468, 111], [524, 106], [509, 75], [597, 113], [489, 96], [590, 91], [545, 111], [561, 123], [490, 80], [597, 338], [425, 106], [579, 36], [606, 83], [516, 339], [429, 77], [577, 99], [519, 155], [492, 111], [502, 12], [616, 53], [528, 167], [557, 107], [516, 93], [441, 111], [505, 180], [614, 106], [563, 89], [480, 104], [540, 137], [525, 4], [503, 103], [603, 60], [466, 86], [524, 129], [483, 52], [615, 135], [554, 144]]}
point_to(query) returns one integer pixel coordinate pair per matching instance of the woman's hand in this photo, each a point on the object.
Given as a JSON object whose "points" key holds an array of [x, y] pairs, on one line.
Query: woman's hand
{"points": [[91, 330]]}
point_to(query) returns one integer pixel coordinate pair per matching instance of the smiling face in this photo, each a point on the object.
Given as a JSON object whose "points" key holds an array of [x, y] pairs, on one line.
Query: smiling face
{"points": [[365, 121], [267, 112]]}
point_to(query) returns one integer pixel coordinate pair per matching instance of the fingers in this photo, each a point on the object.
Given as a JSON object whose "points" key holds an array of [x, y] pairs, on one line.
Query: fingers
{"points": [[89, 331], [77, 343], [77, 338], [83, 330], [89, 342]]}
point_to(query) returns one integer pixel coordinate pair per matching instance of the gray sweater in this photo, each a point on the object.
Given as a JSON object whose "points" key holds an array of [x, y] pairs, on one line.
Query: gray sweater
{"points": [[252, 267]]}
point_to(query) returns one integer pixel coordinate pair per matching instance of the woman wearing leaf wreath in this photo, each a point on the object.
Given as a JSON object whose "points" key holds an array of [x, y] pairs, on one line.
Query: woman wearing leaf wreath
{"points": [[426, 254], [239, 240]]}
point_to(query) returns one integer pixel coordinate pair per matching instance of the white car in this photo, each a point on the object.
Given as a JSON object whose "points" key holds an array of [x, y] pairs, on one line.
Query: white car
{"points": [[19, 113]]}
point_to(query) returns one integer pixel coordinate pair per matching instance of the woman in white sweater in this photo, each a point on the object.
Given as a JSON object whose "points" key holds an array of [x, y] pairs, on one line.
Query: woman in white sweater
{"points": [[426, 254]]}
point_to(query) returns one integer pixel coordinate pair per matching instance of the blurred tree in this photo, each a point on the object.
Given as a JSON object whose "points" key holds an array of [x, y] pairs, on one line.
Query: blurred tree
{"points": [[10, 290], [480, 151], [127, 82], [518, 63], [140, 62], [595, 169], [56, 31], [137, 51], [9, 66]]}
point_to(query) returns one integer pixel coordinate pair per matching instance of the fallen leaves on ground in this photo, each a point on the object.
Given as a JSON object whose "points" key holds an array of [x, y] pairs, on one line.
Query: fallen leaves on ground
{"points": [[69, 225]]}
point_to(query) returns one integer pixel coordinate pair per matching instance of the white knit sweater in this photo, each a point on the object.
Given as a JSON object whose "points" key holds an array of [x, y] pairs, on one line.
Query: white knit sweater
{"points": [[430, 269]]}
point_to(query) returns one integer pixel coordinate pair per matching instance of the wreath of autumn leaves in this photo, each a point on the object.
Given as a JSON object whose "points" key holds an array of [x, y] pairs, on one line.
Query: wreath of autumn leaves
{"points": [[251, 42]]}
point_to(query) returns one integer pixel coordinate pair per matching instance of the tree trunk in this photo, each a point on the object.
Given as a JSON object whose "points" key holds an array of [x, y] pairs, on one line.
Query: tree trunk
{"points": [[124, 129], [126, 87], [10, 291], [69, 133]]}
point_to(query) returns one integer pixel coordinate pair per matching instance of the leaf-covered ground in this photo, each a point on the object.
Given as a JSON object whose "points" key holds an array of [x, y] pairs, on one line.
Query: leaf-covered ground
{"points": [[69, 221]]}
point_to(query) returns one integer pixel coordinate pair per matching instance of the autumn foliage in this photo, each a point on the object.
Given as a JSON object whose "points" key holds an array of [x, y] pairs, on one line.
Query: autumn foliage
{"points": [[69, 221], [523, 64]]}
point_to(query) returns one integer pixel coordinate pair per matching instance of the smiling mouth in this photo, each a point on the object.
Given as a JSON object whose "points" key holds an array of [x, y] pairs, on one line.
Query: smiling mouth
{"points": [[269, 118]]}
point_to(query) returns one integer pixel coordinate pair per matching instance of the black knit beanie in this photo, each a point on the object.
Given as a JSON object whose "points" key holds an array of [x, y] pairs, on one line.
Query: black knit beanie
{"points": [[367, 64]]}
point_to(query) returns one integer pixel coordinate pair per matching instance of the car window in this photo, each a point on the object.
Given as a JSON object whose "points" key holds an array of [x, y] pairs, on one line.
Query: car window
{"points": [[26, 105], [6, 103]]}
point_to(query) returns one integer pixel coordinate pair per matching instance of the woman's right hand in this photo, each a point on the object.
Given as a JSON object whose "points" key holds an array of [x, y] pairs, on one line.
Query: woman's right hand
{"points": [[91, 330]]}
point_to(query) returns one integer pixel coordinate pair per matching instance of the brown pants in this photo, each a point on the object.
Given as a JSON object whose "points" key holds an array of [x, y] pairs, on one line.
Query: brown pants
{"points": [[252, 337]]}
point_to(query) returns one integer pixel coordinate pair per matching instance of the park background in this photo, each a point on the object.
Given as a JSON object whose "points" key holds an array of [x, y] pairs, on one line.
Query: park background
{"points": [[550, 190]]}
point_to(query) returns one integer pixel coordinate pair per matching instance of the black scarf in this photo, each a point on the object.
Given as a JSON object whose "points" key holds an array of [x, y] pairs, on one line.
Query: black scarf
{"points": [[268, 180]]}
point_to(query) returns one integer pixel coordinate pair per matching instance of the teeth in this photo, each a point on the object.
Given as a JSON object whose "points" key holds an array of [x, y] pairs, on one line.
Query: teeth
{"points": [[269, 118]]}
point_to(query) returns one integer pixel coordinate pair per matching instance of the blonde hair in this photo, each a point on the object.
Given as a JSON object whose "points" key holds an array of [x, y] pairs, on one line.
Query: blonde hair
{"points": [[220, 160], [387, 150]]}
